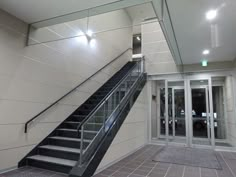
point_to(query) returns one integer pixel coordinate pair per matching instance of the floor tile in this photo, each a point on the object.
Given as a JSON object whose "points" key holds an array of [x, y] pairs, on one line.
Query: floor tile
{"points": [[140, 164]]}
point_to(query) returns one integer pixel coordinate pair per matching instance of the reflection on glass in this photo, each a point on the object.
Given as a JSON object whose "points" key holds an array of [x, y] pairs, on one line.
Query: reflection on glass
{"points": [[218, 107], [162, 110], [179, 112], [179, 107], [199, 112]]}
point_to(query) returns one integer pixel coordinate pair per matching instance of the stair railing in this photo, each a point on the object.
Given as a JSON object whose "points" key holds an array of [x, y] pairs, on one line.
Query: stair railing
{"points": [[74, 89], [110, 92], [106, 113]]}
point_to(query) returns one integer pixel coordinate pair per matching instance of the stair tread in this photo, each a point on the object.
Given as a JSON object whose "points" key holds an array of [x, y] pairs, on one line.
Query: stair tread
{"points": [[67, 129], [74, 122], [68, 139], [75, 115], [75, 130], [55, 160], [90, 131], [60, 148]]}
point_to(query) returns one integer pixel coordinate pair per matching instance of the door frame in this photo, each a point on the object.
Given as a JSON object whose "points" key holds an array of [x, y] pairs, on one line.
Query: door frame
{"points": [[188, 110], [190, 76], [167, 136], [208, 91]]}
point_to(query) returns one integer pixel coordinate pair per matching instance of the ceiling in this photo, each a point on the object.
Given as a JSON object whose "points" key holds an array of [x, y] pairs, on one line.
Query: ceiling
{"points": [[141, 12], [31, 10], [194, 33], [138, 14]]}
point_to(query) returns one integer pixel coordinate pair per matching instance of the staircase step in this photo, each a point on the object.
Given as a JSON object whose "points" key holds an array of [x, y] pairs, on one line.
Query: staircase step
{"points": [[98, 118], [71, 122], [65, 141], [73, 133], [75, 130], [68, 139], [60, 148], [74, 122], [67, 129], [53, 160]]}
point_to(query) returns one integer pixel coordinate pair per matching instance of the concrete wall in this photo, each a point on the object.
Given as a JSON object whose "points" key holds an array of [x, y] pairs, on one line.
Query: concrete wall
{"points": [[33, 77], [132, 134], [230, 111], [156, 51]]}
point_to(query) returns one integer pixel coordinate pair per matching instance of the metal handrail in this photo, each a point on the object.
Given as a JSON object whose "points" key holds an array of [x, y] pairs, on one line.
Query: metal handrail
{"points": [[82, 126], [75, 88], [103, 100], [107, 98]]}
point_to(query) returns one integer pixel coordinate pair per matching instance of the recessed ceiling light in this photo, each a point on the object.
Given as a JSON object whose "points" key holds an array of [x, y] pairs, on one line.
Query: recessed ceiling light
{"points": [[211, 14], [206, 52], [138, 38]]}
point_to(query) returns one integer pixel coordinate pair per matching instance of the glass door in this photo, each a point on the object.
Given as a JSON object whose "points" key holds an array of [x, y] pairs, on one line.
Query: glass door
{"points": [[176, 112], [179, 113], [200, 113]]}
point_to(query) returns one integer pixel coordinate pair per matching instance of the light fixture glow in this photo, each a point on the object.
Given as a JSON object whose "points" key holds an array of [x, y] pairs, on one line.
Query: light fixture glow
{"points": [[90, 33], [204, 63], [211, 14], [206, 52], [138, 38]]}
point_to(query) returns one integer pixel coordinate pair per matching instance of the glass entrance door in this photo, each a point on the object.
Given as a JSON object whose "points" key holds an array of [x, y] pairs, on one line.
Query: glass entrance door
{"points": [[191, 112], [200, 114], [176, 112], [179, 113]]}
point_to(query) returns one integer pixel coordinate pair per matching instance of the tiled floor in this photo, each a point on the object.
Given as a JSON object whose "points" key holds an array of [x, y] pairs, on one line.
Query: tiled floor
{"points": [[140, 164], [31, 172]]}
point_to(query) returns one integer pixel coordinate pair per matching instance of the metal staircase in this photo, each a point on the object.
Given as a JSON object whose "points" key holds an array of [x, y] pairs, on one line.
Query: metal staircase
{"points": [[78, 144]]}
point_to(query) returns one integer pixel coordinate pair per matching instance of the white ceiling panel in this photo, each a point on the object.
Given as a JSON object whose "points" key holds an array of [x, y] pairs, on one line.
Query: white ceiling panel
{"points": [[195, 33]]}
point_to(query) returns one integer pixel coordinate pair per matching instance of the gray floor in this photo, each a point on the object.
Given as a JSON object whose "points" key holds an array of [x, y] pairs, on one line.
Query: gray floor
{"points": [[31, 172], [188, 156], [140, 164]]}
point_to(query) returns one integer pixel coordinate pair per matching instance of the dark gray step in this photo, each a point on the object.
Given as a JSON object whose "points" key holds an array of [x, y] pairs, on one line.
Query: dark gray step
{"points": [[96, 119], [60, 148], [85, 112], [51, 163], [88, 106], [60, 152], [88, 134], [89, 125], [68, 142], [77, 118], [70, 124]]}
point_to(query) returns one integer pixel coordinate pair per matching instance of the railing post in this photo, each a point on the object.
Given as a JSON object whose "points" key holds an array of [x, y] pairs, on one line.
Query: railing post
{"points": [[26, 127], [81, 145], [143, 65], [104, 117]]}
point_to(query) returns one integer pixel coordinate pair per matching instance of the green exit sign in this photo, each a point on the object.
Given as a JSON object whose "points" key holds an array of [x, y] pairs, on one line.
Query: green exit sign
{"points": [[204, 63]]}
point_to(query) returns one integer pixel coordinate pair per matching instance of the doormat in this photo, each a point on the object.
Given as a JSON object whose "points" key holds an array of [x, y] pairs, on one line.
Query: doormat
{"points": [[189, 157]]}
